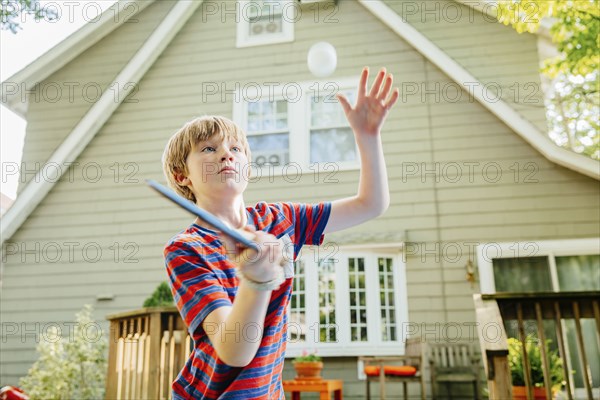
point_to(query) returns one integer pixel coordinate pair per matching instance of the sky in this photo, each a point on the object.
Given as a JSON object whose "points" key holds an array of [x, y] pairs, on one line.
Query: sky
{"points": [[20, 49]]}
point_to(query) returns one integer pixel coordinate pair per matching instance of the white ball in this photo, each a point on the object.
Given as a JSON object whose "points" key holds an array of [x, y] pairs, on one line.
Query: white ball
{"points": [[322, 59]]}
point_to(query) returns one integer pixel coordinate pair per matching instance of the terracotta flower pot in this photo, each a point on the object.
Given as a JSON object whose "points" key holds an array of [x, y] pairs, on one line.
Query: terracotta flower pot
{"points": [[308, 370], [520, 393]]}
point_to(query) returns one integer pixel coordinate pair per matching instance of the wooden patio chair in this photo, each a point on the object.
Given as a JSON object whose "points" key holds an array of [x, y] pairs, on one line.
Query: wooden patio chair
{"points": [[407, 368], [452, 363]]}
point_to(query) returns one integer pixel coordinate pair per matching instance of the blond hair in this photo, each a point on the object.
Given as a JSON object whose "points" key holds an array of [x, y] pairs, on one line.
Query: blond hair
{"points": [[185, 139]]}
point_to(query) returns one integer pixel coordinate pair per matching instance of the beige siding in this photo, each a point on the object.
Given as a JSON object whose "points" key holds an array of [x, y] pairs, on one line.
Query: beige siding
{"points": [[60, 101], [493, 53], [532, 198]]}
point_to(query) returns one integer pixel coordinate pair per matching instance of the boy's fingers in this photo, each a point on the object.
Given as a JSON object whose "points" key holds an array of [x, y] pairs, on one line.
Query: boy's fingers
{"points": [[362, 86], [377, 84], [344, 102], [386, 88], [393, 99]]}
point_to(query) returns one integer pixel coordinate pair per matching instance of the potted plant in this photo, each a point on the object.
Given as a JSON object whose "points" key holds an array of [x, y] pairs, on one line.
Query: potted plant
{"points": [[308, 366], [534, 355]]}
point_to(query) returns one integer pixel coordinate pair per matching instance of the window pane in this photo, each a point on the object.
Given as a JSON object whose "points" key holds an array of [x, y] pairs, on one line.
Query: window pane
{"points": [[267, 116], [336, 144], [592, 351], [526, 274], [581, 273], [331, 138], [268, 134], [358, 299], [270, 149], [387, 299], [577, 273], [326, 111], [327, 324], [297, 326]]}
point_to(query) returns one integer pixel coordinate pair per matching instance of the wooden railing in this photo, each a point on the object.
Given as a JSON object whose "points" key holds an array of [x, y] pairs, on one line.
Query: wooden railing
{"points": [[493, 311], [147, 349]]}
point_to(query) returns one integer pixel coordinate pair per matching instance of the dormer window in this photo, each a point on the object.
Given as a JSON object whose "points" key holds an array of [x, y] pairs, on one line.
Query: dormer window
{"points": [[265, 22]]}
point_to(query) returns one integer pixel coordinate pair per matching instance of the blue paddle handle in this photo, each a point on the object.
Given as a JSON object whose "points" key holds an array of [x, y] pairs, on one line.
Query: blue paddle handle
{"points": [[202, 214]]}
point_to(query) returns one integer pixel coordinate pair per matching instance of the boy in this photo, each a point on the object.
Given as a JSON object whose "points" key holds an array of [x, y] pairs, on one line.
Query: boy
{"points": [[232, 299]]}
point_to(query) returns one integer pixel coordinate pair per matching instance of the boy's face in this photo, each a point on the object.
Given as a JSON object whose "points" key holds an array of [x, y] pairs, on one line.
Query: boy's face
{"points": [[217, 167]]}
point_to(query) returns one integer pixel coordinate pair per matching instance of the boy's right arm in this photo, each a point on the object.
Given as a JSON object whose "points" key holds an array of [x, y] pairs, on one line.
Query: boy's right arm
{"points": [[226, 326]]}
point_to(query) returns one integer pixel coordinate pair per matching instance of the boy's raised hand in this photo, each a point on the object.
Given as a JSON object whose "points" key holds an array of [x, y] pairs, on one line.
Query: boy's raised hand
{"points": [[369, 112]]}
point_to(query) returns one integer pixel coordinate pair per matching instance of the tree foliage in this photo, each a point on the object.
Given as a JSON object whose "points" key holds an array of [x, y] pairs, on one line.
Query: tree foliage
{"points": [[575, 30], [573, 110], [14, 12], [72, 367], [573, 104]]}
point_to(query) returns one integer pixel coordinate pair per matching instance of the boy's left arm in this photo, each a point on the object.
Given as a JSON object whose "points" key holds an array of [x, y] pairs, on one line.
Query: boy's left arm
{"points": [[366, 119]]}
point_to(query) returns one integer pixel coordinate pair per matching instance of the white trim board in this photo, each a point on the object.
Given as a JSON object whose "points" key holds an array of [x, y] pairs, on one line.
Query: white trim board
{"points": [[487, 252], [67, 50], [499, 108], [91, 123]]}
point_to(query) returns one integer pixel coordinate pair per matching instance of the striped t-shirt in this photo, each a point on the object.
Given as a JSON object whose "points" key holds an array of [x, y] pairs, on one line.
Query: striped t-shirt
{"points": [[203, 279]]}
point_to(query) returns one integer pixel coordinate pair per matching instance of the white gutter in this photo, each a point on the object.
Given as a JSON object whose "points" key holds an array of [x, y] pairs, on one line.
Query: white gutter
{"points": [[498, 107], [99, 113]]}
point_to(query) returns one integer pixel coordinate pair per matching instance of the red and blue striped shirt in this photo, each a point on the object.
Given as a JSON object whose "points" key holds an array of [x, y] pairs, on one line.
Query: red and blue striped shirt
{"points": [[203, 279]]}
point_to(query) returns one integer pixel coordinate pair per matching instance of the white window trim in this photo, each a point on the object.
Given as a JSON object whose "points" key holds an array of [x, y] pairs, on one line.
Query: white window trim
{"points": [[344, 347], [486, 252], [298, 118], [243, 23]]}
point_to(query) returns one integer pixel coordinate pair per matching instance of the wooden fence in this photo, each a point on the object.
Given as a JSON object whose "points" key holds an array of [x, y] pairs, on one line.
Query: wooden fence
{"points": [[495, 310], [147, 349]]}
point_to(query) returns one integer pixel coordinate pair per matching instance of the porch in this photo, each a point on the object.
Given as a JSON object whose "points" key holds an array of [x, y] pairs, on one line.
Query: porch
{"points": [[570, 319], [148, 347]]}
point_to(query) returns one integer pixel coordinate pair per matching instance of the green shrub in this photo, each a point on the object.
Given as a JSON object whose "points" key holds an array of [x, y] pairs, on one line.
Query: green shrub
{"points": [[162, 297], [72, 367]]}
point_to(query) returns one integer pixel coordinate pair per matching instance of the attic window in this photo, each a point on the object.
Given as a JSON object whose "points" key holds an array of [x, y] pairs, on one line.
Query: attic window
{"points": [[265, 22]]}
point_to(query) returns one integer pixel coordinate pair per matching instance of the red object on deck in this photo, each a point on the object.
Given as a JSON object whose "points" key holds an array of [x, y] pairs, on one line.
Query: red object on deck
{"points": [[12, 393]]}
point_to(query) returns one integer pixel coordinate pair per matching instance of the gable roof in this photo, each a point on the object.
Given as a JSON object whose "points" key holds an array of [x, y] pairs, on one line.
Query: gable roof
{"points": [[498, 107], [67, 50], [100, 112], [91, 33]]}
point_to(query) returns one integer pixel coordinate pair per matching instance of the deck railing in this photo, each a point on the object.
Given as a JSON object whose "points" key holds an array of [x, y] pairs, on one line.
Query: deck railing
{"points": [[147, 349], [493, 311]]}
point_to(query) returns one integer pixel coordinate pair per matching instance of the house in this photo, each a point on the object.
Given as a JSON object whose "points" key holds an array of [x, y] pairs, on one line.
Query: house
{"points": [[471, 170]]}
